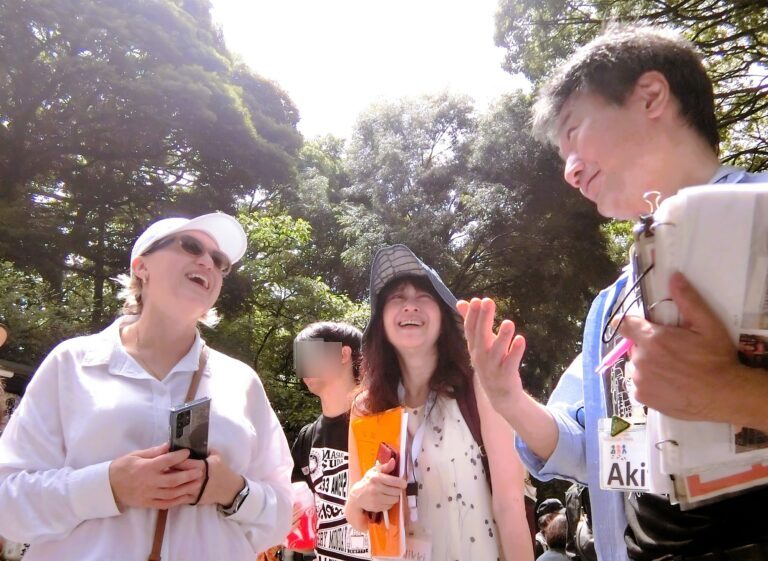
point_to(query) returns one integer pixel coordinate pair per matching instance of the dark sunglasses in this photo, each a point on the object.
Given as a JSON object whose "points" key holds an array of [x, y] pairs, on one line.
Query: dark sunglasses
{"points": [[194, 247]]}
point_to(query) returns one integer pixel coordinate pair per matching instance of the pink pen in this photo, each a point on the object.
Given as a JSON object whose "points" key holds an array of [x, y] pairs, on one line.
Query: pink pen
{"points": [[613, 357]]}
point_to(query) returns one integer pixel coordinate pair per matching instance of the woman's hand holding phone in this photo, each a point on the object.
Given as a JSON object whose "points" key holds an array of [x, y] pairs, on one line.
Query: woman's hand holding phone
{"points": [[378, 490], [155, 478]]}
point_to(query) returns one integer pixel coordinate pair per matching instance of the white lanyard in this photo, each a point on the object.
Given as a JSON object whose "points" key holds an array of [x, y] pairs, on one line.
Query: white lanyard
{"points": [[413, 452]]}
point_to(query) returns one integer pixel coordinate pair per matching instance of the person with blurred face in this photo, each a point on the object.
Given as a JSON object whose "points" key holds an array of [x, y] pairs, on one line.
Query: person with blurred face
{"points": [[327, 358], [415, 355], [85, 465], [633, 112]]}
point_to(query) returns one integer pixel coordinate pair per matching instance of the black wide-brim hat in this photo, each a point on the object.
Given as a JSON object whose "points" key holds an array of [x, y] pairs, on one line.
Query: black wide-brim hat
{"points": [[396, 261]]}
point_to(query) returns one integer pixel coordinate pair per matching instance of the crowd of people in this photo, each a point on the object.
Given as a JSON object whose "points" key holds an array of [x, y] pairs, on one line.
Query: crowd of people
{"points": [[86, 473]]}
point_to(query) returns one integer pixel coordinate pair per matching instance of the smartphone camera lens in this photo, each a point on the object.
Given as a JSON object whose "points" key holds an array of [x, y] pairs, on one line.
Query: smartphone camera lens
{"points": [[182, 421]]}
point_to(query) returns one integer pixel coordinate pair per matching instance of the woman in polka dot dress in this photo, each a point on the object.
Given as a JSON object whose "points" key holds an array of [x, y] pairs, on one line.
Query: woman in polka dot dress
{"points": [[415, 355]]}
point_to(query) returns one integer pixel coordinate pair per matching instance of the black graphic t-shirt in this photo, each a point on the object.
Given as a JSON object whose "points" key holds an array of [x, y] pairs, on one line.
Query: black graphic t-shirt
{"points": [[321, 459]]}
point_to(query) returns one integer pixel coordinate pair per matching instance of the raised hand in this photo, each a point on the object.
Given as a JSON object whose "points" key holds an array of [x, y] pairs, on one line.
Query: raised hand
{"points": [[495, 357]]}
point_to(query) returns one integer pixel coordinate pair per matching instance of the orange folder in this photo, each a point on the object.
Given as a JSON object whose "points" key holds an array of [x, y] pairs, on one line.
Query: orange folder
{"points": [[369, 432]]}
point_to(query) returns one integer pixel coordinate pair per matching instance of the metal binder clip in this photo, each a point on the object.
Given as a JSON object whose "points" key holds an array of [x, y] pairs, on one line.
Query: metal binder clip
{"points": [[653, 201]]}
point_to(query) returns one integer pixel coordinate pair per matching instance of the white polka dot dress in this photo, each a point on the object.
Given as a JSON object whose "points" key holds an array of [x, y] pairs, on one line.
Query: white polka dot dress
{"points": [[454, 501]]}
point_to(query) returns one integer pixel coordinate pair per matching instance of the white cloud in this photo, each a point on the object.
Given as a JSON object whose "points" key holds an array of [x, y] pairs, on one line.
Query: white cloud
{"points": [[337, 57]]}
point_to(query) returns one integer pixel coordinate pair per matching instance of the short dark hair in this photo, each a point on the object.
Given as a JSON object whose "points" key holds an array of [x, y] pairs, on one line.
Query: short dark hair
{"points": [[610, 66], [336, 332], [556, 532], [544, 520]]}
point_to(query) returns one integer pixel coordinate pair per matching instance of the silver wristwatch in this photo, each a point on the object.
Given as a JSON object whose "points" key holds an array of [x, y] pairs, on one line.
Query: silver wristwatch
{"points": [[237, 503]]}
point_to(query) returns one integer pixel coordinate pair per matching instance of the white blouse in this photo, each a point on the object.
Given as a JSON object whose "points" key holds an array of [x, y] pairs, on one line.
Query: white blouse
{"points": [[455, 510], [91, 402]]}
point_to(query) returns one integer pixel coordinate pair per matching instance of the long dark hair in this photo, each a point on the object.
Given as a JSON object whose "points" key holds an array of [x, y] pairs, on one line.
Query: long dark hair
{"points": [[381, 372]]}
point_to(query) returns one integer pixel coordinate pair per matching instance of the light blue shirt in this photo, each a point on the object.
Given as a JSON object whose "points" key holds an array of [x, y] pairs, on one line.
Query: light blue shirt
{"points": [[578, 402]]}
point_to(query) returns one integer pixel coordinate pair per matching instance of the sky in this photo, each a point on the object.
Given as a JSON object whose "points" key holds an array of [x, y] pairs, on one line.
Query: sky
{"points": [[336, 58]]}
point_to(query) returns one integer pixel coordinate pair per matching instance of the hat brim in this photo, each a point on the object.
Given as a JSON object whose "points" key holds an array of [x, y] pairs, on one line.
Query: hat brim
{"points": [[225, 230], [397, 261]]}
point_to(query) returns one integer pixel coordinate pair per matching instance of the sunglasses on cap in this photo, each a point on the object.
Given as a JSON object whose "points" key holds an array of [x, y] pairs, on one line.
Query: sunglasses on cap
{"points": [[194, 247]]}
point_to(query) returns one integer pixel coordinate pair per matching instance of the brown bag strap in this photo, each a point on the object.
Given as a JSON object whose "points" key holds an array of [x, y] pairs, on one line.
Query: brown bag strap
{"points": [[467, 402], [162, 515], [195, 381], [157, 542]]}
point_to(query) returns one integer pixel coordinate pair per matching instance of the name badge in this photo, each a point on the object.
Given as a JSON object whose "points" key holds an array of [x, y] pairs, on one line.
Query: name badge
{"points": [[623, 457]]}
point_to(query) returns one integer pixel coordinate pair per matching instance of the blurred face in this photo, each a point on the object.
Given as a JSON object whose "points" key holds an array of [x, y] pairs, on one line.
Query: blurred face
{"points": [[179, 281], [610, 152], [412, 318], [320, 363]]}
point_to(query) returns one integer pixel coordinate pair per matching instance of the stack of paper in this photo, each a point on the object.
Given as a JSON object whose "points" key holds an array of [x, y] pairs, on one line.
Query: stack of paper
{"points": [[717, 236]]}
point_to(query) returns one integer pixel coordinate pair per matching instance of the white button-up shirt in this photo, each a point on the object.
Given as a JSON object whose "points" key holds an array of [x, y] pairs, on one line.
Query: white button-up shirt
{"points": [[89, 403]]}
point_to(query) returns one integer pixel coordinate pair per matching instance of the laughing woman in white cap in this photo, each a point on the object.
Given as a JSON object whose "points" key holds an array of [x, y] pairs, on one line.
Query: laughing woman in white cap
{"points": [[84, 462]]}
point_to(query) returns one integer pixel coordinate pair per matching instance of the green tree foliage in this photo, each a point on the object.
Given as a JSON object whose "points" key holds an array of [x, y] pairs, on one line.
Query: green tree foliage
{"points": [[39, 318], [732, 36], [475, 197], [408, 168], [273, 295], [533, 242], [114, 112], [316, 198]]}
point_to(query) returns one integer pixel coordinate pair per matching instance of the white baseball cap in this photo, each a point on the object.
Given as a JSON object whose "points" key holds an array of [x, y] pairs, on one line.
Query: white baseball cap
{"points": [[223, 228]]}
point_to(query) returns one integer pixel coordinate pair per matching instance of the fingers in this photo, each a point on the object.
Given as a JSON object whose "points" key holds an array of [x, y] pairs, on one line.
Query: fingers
{"points": [[634, 328], [154, 452], [192, 488], [390, 481], [696, 312], [379, 476], [470, 322], [501, 345], [190, 464], [388, 467], [484, 326], [173, 479], [462, 306], [515, 356], [386, 491], [171, 459]]}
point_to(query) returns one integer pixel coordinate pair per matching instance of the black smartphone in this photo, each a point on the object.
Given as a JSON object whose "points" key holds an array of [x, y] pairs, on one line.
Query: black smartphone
{"points": [[189, 427]]}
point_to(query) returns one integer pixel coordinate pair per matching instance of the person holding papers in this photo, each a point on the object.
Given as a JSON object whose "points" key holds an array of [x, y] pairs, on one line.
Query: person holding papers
{"points": [[633, 112], [414, 354]]}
